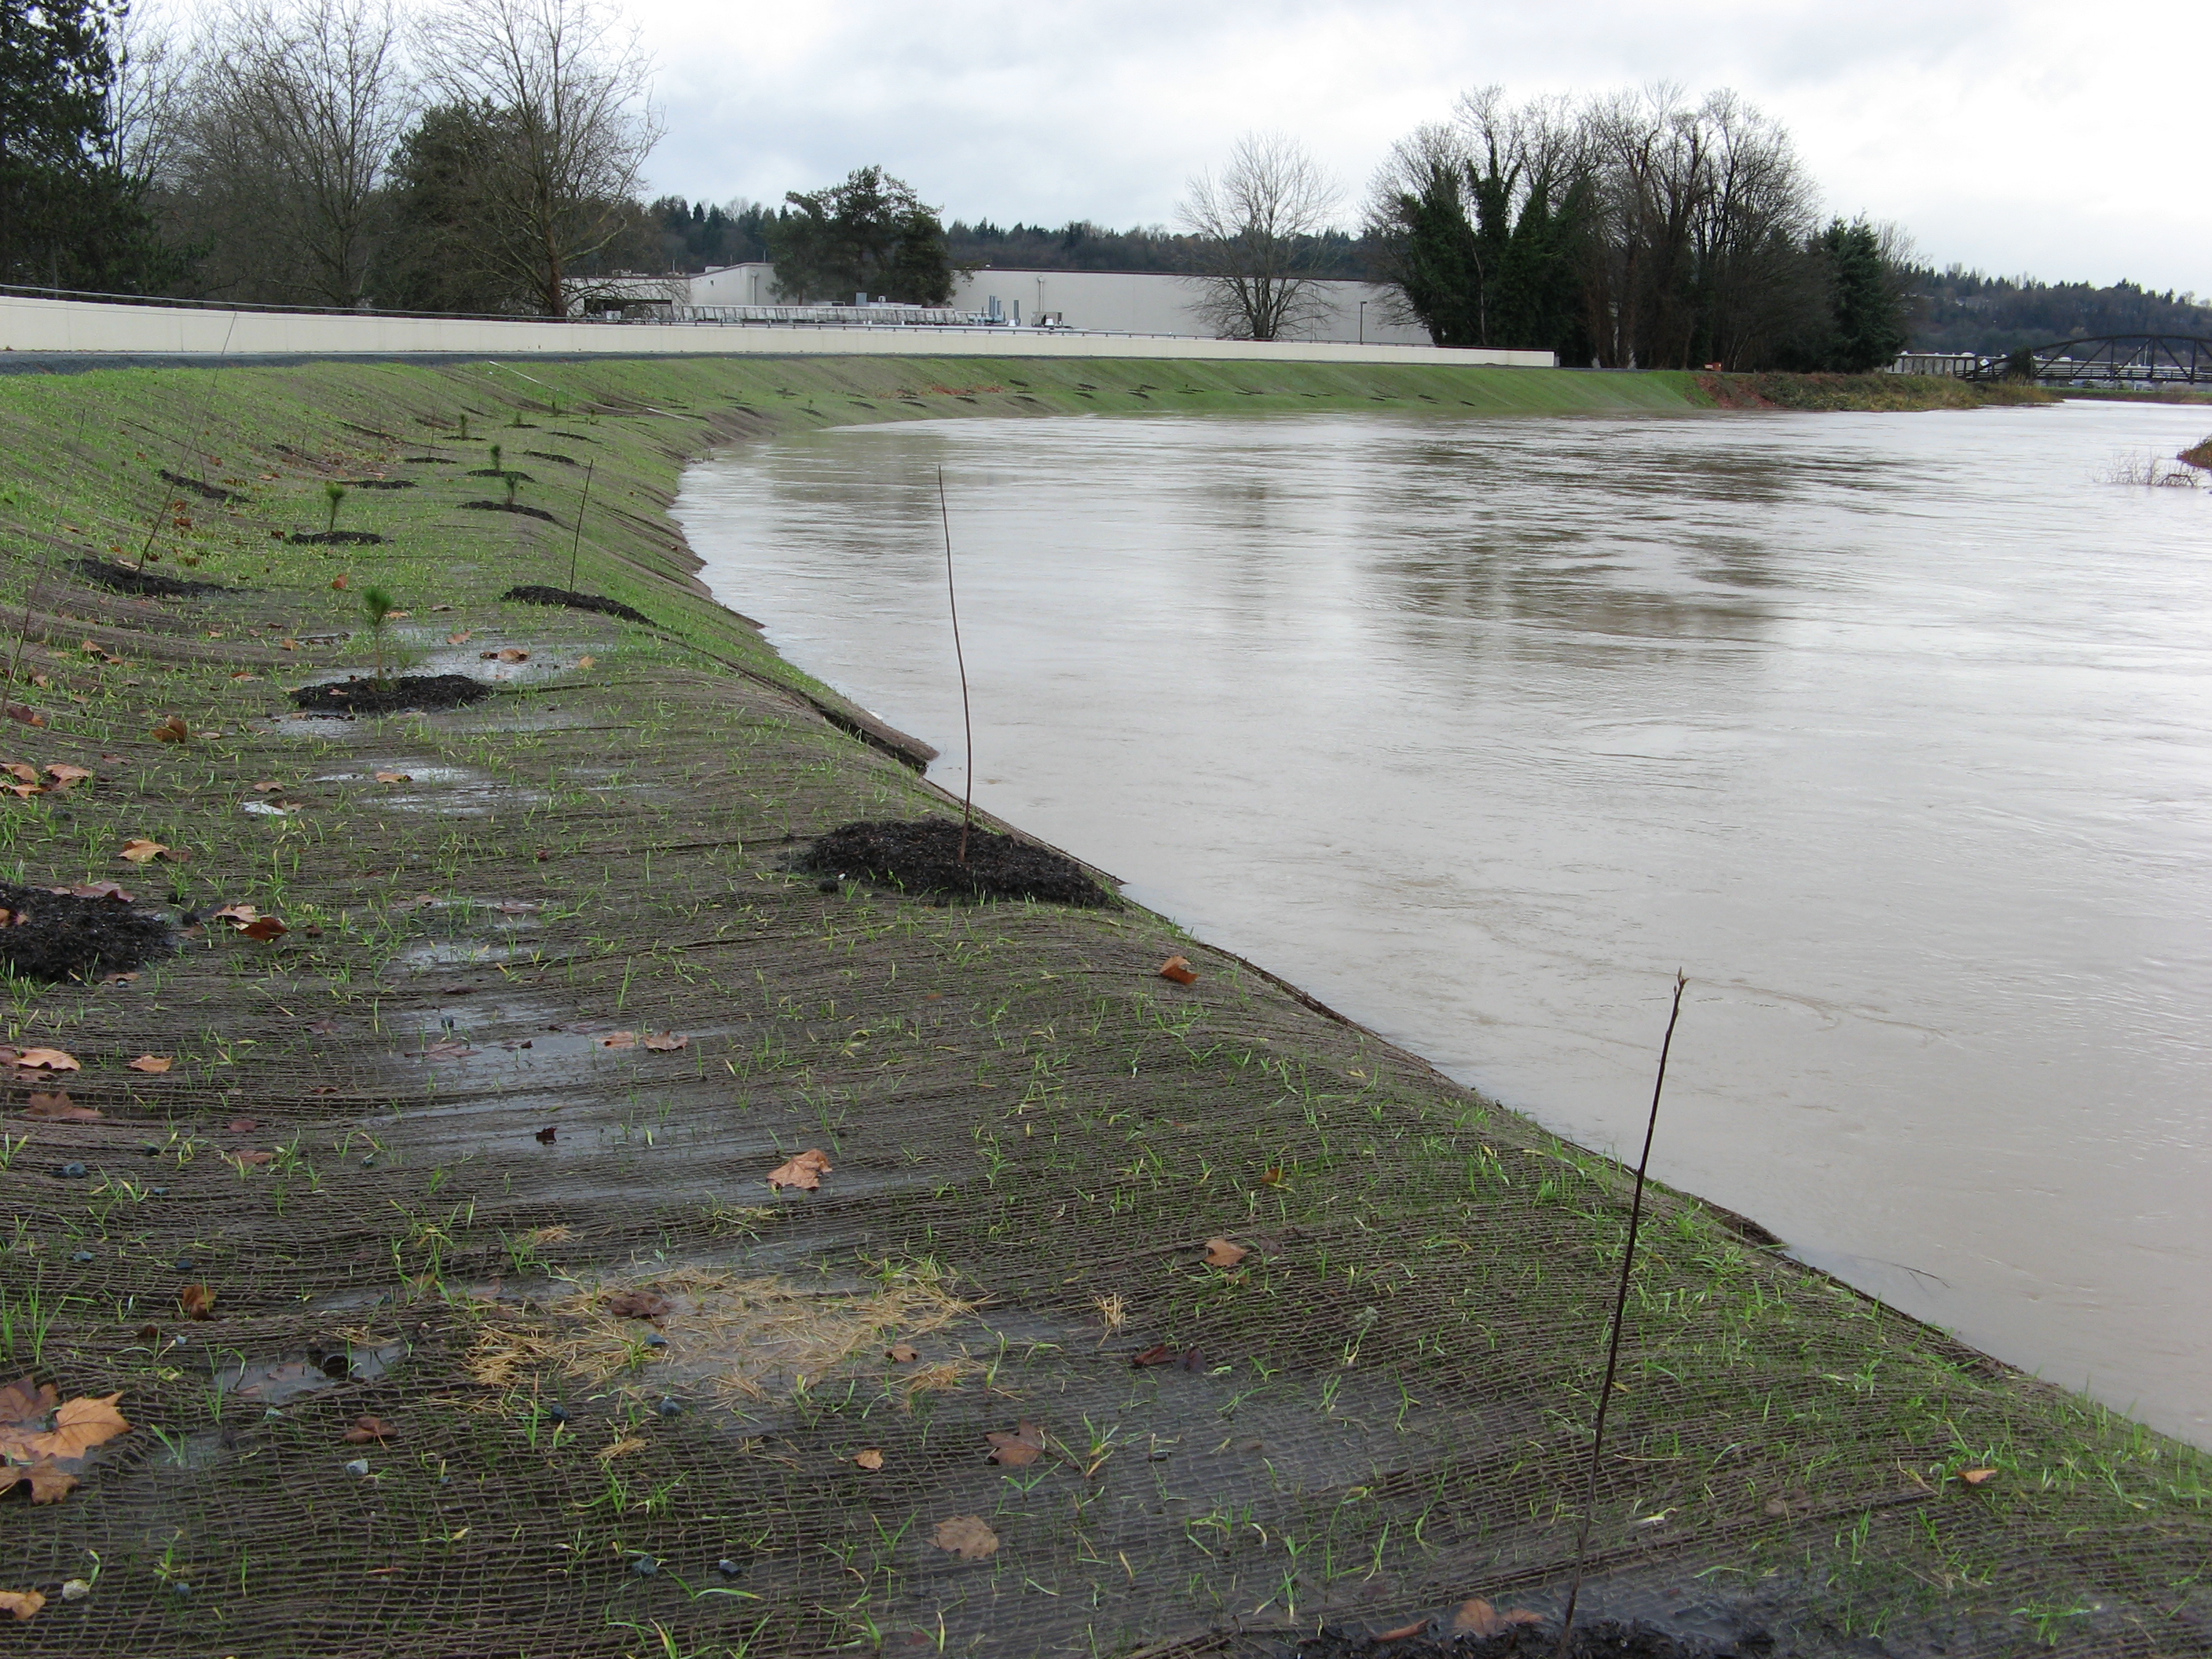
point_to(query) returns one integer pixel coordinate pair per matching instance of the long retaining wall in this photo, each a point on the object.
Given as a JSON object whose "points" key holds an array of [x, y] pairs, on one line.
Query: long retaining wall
{"points": [[80, 325]]}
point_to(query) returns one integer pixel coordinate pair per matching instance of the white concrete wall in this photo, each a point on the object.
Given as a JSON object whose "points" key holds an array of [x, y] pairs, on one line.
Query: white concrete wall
{"points": [[1126, 301], [87, 326]]}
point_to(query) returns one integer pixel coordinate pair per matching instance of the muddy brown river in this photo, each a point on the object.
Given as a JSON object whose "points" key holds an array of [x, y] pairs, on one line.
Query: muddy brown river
{"points": [[1895, 731]]}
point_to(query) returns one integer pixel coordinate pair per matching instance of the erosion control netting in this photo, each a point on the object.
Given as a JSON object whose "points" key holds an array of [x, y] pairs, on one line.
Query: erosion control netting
{"points": [[610, 1243], [123, 579], [935, 855], [535, 593]]}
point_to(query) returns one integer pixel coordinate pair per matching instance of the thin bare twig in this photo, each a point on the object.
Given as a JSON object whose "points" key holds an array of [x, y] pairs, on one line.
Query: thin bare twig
{"points": [[1620, 1314], [576, 547], [967, 722]]}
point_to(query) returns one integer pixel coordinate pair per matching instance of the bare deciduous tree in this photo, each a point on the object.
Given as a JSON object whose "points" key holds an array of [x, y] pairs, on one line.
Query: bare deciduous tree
{"points": [[565, 85], [296, 113], [147, 99], [1259, 222]]}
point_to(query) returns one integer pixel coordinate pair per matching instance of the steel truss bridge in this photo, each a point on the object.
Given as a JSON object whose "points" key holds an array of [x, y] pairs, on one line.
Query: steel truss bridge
{"points": [[2107, 360]]}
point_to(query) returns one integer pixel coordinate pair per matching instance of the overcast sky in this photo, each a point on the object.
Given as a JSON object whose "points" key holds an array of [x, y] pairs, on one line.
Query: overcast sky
{"points": [[2065, 140]]}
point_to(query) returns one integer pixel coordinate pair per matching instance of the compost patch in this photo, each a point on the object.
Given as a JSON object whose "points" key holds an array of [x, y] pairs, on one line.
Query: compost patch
{"points": [[1601, 1638], [532, 593], [206, 492], [54, 936], [122, 578], [420, 692], [513, 506], [923, 856]]}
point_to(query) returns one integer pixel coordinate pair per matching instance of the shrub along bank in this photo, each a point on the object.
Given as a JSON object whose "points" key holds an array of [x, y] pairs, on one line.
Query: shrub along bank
{"points": [[521, 1212]]}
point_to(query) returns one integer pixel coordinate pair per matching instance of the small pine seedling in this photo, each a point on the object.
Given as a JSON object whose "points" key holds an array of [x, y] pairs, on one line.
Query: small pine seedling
{"points": [[376, 605], [336, 492]]}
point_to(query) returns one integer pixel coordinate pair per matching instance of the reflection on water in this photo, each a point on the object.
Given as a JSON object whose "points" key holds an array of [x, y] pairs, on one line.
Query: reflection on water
{"points": [[1890, 730]]}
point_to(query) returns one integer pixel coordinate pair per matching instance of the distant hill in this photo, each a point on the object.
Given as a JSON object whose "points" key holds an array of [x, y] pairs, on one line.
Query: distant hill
{"points": [[1961, 310]]}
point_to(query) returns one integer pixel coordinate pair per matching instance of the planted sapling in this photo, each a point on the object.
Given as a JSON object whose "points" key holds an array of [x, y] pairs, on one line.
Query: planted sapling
{"points": [[336, 492], [376, 605]]}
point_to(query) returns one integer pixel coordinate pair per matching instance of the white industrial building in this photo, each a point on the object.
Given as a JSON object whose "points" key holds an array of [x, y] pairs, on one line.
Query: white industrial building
{"points": [[1110, 301]]}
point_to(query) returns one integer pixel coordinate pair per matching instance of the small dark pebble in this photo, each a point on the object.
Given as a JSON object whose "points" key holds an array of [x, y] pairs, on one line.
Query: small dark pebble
{"points": [[557, 1413], [368, 1163], [149, 1150], [656, 1340], [644, 1566], [71, 1171], [727, 1568], [670, 1408], [186, 1264], [827, 886], [80, 1255], [158, 1192]]}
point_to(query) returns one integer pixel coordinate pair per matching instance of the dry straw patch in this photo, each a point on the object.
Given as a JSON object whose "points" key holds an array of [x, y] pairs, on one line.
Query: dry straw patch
{"points": [[752, 1339]]}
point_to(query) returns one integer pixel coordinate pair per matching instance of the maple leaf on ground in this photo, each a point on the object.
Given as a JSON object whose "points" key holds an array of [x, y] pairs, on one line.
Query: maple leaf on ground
{"points": [[1019, 1449], [587, 662], [68, 777], [264, 929], [142, 849], [804, 1171], [22, 1603], [395, 777], [1220, 1252], [268, 786], [47, 1060], [366, 1429], [238, 915], [666, 1042], [902, 1354], [23, 769], [968, 1536], [106, 889], [255, 1158], [1403, 1631], [49, 1481], [1178, 969], [173, 730], [638, 1304], [242, 1125], [619, 1040], [550, 1133], [1976, 1477], [154, 1064], [871, 1459], [1476, 1617], [60, 1108], [197, 1301]]}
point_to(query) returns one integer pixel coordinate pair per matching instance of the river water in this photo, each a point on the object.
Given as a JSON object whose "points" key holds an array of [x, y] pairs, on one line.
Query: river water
{"points": [[1893, 731]]}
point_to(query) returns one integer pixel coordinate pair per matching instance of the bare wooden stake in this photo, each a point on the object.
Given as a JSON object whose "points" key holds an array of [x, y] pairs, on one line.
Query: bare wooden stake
{"points": [[966, 721], [1619, 1313], [576, 547]]}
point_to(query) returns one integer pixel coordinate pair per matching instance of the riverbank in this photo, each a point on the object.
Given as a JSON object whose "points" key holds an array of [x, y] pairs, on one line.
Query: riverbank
{"points": [[1303, 1330], [1884, 394]]}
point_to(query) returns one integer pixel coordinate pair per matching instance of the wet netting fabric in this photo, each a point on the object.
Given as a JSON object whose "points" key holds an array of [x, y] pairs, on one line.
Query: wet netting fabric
{"points": [[571, 1230]]}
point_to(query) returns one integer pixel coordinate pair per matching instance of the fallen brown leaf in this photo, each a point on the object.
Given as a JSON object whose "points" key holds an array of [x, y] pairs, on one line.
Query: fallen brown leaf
{"points": [[1220, 1252], [804, 1171], [243, 675], [68, 777], [267, 786], [638, 1304], [550, 1133], [395, 777], [667, 1042], [450, 1049], [461, 638], [871, 1459], [197, 1301], [79, 1426], [241, 1126], [47, 1060], [23, 791], [23, 712], [23, 769], [366, 1429], [1416, 1628], [510, 653], [255, 1158], [106, 889], [587, 662], [173, 730], [49, 1481], [60, 1108], [1158, 1354], [238, 914], [619, 1040], [339, 583], [1019, 1449], [25, 1603], [140, 850], [1179, 969], [902, 1353], [287, 644], [1476, 1617], [968, 1536], [1976, 1477], [153, 1064], [265, 928]]}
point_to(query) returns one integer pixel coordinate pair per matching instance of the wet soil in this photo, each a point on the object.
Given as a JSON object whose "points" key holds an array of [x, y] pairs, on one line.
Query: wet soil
{"points": [[122, 578], [923, 856], [206, 492], [532, 593], [1603, 1638], [409, 692], [514, 507], [57, 936], [336, 538]]}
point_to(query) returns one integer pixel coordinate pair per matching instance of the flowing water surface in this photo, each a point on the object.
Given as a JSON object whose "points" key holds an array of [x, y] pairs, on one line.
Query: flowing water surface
{"points": [[1893, 731]]}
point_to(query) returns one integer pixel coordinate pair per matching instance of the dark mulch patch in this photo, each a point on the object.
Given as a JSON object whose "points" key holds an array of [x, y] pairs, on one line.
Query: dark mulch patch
{"points": [[206, 492], [422, 692], [423, 460], [1596, 1638], [380, 484], [923, 856], [577, 436], [532, 593], [62, 935], [548, 455], [517, 506], [336, 538], [122, 578], [499, 473]]}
